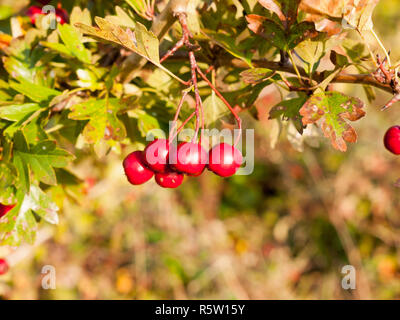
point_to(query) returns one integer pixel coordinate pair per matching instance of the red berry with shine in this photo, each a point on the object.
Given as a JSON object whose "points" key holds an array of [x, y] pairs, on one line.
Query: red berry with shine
{"points": [[156, 155], [4, 209], [3, 266], [169, 179], [190, 158], [61, 16], [392, 139], [33, 12], [224, 160], [135, 169]]}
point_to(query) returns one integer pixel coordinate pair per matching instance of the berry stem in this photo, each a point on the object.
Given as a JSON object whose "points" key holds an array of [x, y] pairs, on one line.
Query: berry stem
{"points": [[193, 66], [237, 118], [178, 110], [176, 47]]}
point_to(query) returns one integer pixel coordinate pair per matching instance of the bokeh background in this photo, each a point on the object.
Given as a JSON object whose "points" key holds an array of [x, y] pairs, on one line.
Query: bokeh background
{"points": [[284, 232]]}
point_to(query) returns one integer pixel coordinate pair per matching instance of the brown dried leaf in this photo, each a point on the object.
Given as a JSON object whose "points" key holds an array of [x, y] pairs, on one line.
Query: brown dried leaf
{"points": [[354, 14]]}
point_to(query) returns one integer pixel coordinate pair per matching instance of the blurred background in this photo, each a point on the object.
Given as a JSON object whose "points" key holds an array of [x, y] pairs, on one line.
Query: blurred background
{"points": [[284, 232]]}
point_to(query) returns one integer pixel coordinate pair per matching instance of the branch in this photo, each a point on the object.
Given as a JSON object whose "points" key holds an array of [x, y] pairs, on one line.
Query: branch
{"points": [[317, 76], [277, 66], [161, 24]]}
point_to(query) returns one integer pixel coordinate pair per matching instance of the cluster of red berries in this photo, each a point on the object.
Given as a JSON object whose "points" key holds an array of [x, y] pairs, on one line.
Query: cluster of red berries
{"points": [[35, 11], [392, 139], [169, 165]]}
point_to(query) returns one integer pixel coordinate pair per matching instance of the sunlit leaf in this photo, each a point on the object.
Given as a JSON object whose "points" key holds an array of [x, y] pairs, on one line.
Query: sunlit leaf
{"points": [[103, 120], [330, 110]]}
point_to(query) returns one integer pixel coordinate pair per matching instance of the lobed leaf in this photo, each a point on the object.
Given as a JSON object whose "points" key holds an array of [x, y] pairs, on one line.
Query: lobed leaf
{"points": [[39, 159], [331, 110], [73, 43], [103, 120], [33, 91], [20, 223]]}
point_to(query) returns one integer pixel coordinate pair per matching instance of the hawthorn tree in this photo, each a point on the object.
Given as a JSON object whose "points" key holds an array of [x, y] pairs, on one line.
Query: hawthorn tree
{"points": [[95, 84]]}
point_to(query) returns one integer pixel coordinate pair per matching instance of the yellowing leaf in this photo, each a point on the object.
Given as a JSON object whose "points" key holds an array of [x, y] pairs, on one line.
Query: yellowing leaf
{"points": [[103, 120], [20, 223], [355, 14], [141, 42], [330, 111]]}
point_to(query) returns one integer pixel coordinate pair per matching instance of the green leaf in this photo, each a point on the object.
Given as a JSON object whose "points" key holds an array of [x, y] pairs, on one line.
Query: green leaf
{"points": [[147, 43], [290, 10], [58, 47], [138, 5], [39, 160], [6, 12], [20, 223], [300, 32], [289, 109], [142, 42], [329, 110], [214, 109], [146, 122], [17, 112], [256, 75], [268, 29], [103, 120], [7, 182], [35, 92], [72, 41], [229, 44], [338, 59]]}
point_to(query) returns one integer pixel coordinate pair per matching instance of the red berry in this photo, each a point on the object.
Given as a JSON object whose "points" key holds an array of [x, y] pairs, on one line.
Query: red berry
{"points": [[4, 209], [196, 174], [135, 170], [61, 16], [3, 266], [156, 155], [392, 139], [224, 160], [190, 158], [34, 12], [169, 179]]}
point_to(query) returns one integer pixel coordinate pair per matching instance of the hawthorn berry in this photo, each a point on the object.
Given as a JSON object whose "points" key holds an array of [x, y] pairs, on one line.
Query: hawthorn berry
{"points": [[190, 158], [3, 266], [156, 155], [4, 209], [135, 169], [33, 12], [61, 15], [224, 160], [169, 179], [392, 139]]}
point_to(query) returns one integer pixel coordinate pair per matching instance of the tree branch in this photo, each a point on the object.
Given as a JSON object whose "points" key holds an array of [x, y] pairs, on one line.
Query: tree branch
{"points": [[277, 66], [317, 76], [161, 24]]}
